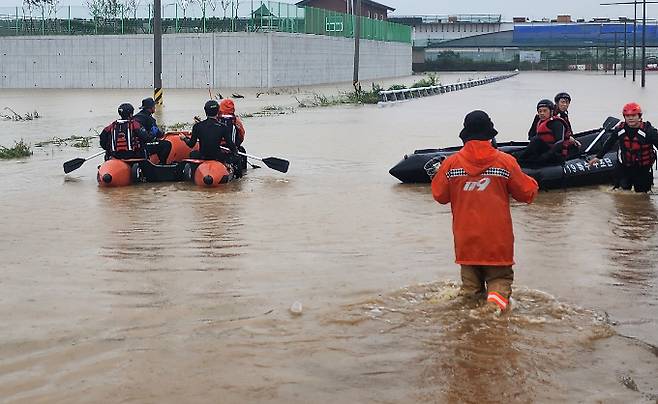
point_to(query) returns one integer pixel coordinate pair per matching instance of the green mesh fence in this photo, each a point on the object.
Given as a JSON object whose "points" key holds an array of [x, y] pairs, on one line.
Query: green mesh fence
{"points": [[194, 17]]}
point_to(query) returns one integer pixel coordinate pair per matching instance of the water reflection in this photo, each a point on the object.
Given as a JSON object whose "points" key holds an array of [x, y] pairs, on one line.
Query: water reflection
{"points": [[634, 249], [160, 267], [170, 228], [480, 362], [133, 227]]}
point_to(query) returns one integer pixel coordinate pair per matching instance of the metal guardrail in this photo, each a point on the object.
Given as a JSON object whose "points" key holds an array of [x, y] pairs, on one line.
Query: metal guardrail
{"points": [[387, 96]]}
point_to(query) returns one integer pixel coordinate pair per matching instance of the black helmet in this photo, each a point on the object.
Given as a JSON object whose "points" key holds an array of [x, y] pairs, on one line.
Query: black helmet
{"points": [[148, 103], [561, 96], [211, 108], [546, 103], [126, 110]]}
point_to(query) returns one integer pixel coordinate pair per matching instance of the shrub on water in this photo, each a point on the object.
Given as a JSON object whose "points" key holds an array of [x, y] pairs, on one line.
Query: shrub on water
{"points": [[364, 97], [351, 97], [20, 149], [429, 81], [176, 127], [82, 142], [397, 87]]}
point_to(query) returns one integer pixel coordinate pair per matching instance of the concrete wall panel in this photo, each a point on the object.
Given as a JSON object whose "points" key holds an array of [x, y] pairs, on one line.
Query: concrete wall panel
{"points": [[226, 60]]}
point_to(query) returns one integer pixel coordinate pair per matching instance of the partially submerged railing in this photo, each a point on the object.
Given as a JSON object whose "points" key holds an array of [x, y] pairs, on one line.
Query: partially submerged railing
{"points": [[404, 94]]}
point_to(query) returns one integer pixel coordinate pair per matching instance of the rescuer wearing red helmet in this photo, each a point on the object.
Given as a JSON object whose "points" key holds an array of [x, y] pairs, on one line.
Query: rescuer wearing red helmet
{"points": [[637, 140]]}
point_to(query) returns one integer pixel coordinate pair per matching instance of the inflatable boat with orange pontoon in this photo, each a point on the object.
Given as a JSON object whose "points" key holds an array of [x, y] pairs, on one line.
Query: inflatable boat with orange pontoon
{"points": [[179, 167]]}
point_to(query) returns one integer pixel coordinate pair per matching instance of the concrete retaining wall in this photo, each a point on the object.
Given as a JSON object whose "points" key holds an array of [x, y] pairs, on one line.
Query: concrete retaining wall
{"points": [[228, 60]]}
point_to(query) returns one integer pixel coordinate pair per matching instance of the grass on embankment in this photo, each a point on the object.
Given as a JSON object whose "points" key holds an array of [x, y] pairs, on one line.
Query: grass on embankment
{"points": [[360, 96], [20, 149]]}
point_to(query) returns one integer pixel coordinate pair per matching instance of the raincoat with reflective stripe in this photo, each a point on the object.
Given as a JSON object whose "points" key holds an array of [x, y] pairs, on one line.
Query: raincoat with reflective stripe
{"points": [[477, 182]]}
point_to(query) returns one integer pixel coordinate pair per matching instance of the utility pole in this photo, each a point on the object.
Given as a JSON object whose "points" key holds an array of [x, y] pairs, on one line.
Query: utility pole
{"points": [[356, 11], [614, 68], [644, 42], [634, 37], [644, 34], [157, 52], [625, 34]]}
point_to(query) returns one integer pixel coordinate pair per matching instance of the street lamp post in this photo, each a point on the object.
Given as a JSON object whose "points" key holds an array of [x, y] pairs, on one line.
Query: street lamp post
{"points": [[614, 67], [634, 37], [625, 34], [644, 41], [644, 35]]}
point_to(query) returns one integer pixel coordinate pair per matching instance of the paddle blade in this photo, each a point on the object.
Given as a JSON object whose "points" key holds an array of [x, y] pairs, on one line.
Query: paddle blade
{"points": [[610, 123], [277, 164], [73, 165]]}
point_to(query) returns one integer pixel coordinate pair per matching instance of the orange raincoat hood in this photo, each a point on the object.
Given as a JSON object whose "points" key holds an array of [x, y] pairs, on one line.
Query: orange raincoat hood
{"points": [[477, 156]]}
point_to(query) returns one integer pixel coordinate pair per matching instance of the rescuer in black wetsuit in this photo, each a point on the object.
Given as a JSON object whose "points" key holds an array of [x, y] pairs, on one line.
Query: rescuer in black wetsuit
{"points": [[211, 133]]}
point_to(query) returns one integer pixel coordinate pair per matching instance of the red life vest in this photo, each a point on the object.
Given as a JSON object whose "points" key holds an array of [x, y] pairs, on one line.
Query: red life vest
{"points": [[548, 137], [634, 148], [564, 115], [124, 136]]}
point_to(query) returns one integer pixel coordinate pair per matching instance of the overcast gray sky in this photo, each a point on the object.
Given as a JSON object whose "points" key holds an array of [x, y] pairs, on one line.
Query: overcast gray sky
{"points": [[521, 8], [508, 8]]}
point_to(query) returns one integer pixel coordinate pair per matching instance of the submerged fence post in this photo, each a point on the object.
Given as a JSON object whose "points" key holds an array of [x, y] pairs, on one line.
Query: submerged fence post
{"points": [[251, 19], [69, 20], [16, 20]]}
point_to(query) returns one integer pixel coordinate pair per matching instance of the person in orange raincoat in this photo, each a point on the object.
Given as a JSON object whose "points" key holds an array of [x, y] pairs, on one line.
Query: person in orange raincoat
{"points": [[477, 182], [227, 115], [229, 118]]}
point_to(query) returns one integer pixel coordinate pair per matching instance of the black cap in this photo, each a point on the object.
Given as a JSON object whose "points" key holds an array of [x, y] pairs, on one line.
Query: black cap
{"points": [[148, 103], [546, 103], [126, 110], [477, 126], [562, 96], [211, 107]]}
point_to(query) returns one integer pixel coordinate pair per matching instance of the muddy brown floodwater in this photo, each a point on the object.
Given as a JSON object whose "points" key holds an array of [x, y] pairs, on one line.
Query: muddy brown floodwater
{"points": [[168, 293]]}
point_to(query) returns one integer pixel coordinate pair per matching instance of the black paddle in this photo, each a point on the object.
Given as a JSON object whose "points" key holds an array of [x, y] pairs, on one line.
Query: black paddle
{"points": [[608, 125], [274, 163], [76, 163]]}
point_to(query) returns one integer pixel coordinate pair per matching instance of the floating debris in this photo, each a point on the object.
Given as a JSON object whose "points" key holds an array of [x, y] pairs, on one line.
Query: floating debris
{"points": [[177, 127], [17, 117], [629, 383], [74, 141], [296, 308]]}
